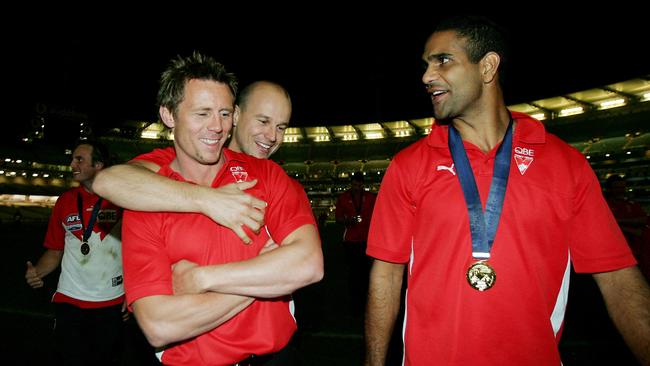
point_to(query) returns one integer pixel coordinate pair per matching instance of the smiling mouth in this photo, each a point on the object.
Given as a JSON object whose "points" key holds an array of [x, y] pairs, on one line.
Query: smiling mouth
{"points": [[437, 94], [208, 141]]}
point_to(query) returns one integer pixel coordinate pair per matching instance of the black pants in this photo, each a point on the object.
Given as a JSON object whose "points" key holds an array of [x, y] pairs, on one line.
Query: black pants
{"points": [[88, 336]]}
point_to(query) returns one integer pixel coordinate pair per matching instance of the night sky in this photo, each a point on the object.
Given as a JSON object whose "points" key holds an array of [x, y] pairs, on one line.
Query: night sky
{"points": [[339, 67]]}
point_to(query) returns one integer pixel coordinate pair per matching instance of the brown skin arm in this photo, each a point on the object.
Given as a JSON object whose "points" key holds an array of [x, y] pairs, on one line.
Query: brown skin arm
{"points": [[383, 305], [627, 297]]}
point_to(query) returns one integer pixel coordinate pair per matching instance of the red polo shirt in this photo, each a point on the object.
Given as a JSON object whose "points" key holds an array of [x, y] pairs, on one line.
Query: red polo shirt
{"points": [[553, 215], [153, 241]]}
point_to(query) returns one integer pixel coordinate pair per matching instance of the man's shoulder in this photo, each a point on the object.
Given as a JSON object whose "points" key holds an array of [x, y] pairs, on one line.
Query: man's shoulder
{"points": [[534, 132], [415, 152], [70, 193], [159, 156], [255, 164]]}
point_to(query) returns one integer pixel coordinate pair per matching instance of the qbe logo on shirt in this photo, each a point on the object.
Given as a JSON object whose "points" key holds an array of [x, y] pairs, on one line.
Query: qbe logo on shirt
{"points": [[107, 215]]}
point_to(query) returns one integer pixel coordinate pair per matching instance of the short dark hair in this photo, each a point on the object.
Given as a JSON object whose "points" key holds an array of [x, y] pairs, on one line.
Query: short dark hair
{"points": [[183, 69], [100, 151], [482, 35]]}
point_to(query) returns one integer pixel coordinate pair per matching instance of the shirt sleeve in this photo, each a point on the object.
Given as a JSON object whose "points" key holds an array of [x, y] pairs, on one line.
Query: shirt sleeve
{"points": [[160, 157], [391, 232], [147, 268], [288, 207], [596, 242], [55, 235]]}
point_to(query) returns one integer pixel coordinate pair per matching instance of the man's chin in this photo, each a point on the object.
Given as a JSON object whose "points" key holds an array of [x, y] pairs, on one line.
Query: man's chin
{"points": [[257, 153]]}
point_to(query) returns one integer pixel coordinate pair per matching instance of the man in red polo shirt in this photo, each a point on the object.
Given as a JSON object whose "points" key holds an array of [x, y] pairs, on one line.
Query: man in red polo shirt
{"points": [[489, 212], [193, 287]]}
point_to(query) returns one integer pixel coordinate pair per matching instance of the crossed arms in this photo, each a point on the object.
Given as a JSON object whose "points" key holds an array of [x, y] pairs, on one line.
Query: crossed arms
{"points": [[207, 296]]}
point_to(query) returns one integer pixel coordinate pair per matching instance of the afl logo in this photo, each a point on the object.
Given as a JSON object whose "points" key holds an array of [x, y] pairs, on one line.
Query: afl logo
{"points": [[72, 222]]}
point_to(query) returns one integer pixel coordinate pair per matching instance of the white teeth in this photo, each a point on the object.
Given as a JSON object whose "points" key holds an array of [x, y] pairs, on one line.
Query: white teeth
{"points": [[264, 145], [210, 141], [438, 92]]}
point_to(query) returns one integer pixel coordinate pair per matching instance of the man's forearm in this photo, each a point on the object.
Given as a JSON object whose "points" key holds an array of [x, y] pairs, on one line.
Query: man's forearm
{"points": [[627, 297], [166, 319], [298, 262], [384, 292], [137, 188], [48, 262]]}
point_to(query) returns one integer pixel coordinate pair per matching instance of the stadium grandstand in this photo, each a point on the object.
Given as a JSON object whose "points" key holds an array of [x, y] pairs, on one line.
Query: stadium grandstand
{"points": [[609, 124]]}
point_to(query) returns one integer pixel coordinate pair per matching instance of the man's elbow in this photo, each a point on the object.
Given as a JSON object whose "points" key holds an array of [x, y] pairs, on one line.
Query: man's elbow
{"points": [[158, 332], [313, 271], [100, 185]]}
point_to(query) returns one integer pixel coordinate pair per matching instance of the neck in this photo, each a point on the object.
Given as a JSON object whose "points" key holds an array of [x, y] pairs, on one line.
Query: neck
{"points": [[485, 130], [232, 145], [88, 186], [193, 171]]}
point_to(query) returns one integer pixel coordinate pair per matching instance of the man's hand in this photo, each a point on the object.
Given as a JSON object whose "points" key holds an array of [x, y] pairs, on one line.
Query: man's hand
{"points": [[231, 207], [32, 276], [183, 278]]}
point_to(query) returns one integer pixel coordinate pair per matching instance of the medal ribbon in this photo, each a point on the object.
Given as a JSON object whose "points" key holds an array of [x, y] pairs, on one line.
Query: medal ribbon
{"points": [[483, 226], [93, 216]]}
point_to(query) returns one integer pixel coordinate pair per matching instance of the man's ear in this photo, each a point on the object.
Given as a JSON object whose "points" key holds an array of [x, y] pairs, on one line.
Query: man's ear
{"points": [[235, 117], [166, 116], [98, 165], [489, 66]]}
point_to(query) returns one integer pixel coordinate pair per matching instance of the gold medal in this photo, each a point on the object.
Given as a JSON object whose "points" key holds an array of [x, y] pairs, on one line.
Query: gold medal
{"points": [[481, 276], [85, 248]]}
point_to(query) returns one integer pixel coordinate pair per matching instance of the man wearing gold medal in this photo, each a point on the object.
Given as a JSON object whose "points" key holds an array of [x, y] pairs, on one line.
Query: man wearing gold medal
{"points": [[83, 236], [490, 212]]}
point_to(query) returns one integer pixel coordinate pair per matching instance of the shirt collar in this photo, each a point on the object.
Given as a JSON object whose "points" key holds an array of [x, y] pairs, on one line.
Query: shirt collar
{"points": [[231, 157], [527, 130]]}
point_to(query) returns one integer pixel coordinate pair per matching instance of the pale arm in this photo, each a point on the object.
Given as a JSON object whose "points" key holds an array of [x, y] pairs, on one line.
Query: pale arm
{"points": [[296, 263], [384, 293], [48, 262], [136, 186], [166, 319], [627, 297]]}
